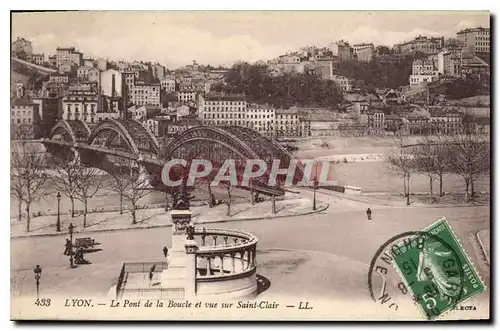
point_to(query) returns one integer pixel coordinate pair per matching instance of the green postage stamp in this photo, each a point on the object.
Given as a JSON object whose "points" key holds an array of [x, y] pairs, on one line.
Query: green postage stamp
{"points": [[437, 269]]}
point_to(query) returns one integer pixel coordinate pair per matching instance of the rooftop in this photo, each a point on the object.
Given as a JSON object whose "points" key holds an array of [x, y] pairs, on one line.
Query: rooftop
{"points": [[480, 28], [22, 102], [65, 49], [225, 98]]}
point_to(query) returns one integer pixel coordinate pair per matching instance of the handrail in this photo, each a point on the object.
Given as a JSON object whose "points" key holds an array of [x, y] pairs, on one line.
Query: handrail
{"points": [[221, 231], [249, 240], [120, 281]]}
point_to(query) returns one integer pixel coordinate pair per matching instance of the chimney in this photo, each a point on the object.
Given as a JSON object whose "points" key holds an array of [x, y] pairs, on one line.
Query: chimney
{"points": [[113, 91]]}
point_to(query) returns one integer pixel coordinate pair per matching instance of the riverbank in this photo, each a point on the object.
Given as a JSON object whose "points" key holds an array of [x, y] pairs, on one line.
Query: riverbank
{"points": [[110, 221]]}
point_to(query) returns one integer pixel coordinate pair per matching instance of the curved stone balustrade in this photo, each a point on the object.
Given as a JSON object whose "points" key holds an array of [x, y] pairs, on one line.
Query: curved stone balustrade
{"points": [[228, 265], [223, 240]]}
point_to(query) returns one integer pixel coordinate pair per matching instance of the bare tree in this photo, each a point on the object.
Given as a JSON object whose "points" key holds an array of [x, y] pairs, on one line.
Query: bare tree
{"points": [[135, 181], [64, 177], [88, 182], [119, 183], [441, 161], [229, 188], [401, 161], [28, 177], [424, 161], [469, 156]]}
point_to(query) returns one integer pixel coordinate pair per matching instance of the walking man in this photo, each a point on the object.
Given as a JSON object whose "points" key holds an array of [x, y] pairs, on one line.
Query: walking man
{"points": [[369, 213], [67, 247], [165, 251]]}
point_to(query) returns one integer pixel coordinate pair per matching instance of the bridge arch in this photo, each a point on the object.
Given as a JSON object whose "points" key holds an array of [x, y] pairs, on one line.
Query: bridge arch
{"points": [[199, 136], [136, 137], [70, 131], [108, 130]]}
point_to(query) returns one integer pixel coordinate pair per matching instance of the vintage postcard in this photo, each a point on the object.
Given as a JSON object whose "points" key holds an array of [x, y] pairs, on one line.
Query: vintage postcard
{"points": [[251, 165]]}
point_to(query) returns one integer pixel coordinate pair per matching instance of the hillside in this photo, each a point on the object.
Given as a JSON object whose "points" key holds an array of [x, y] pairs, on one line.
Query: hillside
{"points": [[26, 75]]}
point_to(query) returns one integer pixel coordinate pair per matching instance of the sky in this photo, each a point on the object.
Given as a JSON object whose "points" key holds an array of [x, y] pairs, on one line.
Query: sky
{"points": [[223, 37]]}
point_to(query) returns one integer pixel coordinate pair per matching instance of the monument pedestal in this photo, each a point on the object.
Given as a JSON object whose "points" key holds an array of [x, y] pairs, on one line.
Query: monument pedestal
{"points": [[175, 275]]}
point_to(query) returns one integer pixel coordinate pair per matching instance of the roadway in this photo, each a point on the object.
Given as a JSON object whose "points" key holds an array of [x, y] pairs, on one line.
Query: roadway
{"points": [[342, 233]]}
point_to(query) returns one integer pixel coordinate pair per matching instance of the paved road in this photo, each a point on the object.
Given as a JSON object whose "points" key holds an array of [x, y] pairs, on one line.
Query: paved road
{"points": [[343, 231]]}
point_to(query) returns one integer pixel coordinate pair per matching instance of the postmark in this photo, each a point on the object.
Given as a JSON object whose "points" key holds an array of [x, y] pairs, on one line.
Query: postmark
{"points": [[433, 266]]}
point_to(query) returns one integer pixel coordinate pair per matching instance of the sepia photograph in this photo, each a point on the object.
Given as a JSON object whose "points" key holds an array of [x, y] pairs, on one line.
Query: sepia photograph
{"points": [[250, 165]]}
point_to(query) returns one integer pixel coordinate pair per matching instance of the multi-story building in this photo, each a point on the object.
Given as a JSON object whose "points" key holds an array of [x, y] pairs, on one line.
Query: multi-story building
{"points": [[129, 78], [342, 50], [22, 47], [475, 41], [76, 58], [49, 110], [446, 122], [20, 90], [423, 71], [376, 121], [448, 63], [422, 44], [158, 71], [25, 119], [186, 96], [159, 125], [81, 105], [110, 107], [261, 118], [364, 52], [418, 123], [68, 55], [287, 123], [145, 94], [343, 83], [167, 84], [423, 67], [222, 110], [83, 73], [59, 78], [56, 86], [94, 75], [325, 67], [38, 58]]}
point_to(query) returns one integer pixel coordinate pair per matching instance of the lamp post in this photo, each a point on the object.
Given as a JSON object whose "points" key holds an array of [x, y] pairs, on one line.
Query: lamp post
{"points": [[315, 186], [71, 227], [38, 274], [408, 195], [58, 212]]}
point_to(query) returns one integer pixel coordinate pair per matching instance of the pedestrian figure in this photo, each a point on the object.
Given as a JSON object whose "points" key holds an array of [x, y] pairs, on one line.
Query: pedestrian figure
{"points": [[67, 249], [151, 272], [369, 213], [165, 251], [79, 259]]}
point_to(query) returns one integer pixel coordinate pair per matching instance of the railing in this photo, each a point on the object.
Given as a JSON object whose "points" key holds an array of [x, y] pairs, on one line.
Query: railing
{"points": [[234, 256], [120, 281], [240, 239], [138, 267]]}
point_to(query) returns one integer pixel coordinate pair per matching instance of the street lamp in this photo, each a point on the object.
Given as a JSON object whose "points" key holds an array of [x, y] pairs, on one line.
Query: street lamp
{"points": [[408, 195], [58, 212], [71, 227], [315, 187], [38, 274]]}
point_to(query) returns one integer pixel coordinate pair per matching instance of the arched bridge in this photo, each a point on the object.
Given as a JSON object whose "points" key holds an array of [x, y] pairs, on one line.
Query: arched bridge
{"points": [[119, 138]]}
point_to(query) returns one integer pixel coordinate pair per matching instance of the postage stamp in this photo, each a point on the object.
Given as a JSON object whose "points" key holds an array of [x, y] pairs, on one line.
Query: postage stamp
{"points": [[437, 269]]}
